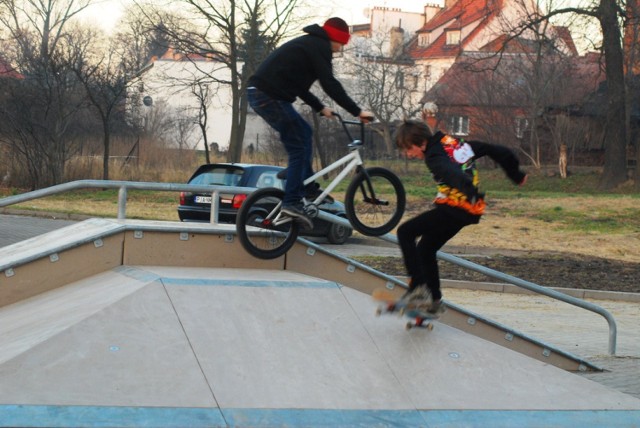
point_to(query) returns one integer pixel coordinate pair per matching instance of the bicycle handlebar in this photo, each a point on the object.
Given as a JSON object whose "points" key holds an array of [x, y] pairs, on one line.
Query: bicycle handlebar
{"points": [[345, 122]]}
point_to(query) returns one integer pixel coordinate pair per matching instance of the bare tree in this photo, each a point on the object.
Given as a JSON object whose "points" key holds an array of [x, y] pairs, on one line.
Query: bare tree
{"points": [[185, 127], [609, 14], [43, 124], [104, 69], [383, 80], [202, 91], [239, 35], [201, 81]]}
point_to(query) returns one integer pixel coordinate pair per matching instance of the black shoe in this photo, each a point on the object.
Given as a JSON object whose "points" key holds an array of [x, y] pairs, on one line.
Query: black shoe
{"points": [[436, 308], [313, 190], [418, 297], [297, 213]]}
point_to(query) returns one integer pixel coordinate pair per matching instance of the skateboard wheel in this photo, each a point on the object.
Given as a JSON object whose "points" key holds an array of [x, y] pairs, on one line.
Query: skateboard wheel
{"points": [[408, 326], [429, 326], [378, 312]]}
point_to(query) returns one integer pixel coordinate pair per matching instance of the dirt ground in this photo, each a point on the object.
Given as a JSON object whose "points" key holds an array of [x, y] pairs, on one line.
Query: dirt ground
{"points": [[545, 253], [549, 269]]}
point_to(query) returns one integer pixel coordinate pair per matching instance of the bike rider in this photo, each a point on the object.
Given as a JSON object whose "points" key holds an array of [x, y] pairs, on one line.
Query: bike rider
{"points": [[286, 74]]}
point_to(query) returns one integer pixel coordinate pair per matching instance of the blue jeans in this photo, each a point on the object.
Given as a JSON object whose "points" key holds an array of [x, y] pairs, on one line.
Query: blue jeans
{"points": [[295, 134]]}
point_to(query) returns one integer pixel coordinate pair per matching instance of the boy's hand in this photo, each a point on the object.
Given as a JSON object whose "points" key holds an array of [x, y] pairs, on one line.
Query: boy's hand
{"points": [[524, 180]]}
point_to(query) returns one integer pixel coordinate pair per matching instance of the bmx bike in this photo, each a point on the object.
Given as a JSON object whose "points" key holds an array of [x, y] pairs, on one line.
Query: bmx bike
{"points": [[374, 203]]}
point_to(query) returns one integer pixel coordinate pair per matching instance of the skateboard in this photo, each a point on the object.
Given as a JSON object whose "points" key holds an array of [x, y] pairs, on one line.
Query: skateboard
{"points": [[390, 303]]}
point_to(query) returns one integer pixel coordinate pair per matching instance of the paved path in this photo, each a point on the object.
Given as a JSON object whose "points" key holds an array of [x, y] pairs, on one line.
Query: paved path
{"points": [[16, 228], [572, 329]]}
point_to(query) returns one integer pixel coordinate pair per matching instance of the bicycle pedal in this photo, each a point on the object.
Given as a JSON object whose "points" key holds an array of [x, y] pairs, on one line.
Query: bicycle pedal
{"points": [[311, 210]]}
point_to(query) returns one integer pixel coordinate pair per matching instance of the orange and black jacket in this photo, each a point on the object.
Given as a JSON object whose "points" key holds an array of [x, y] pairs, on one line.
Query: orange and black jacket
{"points": [[452, 164]]}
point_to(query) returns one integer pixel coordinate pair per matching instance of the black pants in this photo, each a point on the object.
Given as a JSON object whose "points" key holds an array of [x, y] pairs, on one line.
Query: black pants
{"points": [[434, 228]]}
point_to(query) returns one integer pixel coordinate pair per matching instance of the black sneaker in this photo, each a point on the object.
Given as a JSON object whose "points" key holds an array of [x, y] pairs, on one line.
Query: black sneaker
{"points": [[417, 298], [297, 213], [436, 308], [313, 190]]}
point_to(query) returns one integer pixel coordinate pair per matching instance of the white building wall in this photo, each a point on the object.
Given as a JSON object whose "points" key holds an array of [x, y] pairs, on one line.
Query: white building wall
{"points": [[384, 18], [168, 81]]}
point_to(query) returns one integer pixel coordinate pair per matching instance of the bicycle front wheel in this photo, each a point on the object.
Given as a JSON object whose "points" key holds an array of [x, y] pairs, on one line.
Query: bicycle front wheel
{"points": [[263, 231], [375, 201]]}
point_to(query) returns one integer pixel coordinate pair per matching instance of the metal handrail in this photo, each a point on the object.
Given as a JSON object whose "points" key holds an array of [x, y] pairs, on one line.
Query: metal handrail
{"points": [[613, 329], [123, 187]]}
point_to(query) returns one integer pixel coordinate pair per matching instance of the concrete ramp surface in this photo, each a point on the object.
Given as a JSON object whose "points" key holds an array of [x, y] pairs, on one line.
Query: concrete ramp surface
{"points": [[214, 347]]}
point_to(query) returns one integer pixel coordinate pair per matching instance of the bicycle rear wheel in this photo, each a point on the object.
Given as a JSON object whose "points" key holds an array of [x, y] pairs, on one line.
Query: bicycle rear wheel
{"points": [[375, 201], [261, 228]]}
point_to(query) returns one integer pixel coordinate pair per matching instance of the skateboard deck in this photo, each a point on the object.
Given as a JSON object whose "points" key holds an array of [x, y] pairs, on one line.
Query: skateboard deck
{"points": [[390, 303]]}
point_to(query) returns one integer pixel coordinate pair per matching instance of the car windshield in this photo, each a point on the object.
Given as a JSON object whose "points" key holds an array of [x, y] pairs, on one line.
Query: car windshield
{"points": [[219, 176]]}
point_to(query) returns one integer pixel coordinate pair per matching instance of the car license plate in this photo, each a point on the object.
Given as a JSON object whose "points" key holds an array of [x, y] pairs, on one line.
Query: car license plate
{"points": [[203, 199]]}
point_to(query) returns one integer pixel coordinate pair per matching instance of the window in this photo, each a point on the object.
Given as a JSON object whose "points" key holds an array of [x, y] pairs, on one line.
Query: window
{"points": [[427, 72], [522, 124], [459, 125], [453, 37], [399, 80], [218, 176], [423, 39]]}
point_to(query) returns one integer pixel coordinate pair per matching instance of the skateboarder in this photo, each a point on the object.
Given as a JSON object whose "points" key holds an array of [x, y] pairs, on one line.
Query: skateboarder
{"points": [[458, 202], [286, 74]]}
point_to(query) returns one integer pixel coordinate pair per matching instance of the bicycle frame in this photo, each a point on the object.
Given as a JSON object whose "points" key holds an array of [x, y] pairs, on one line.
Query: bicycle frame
{"points": [[353, 159]]}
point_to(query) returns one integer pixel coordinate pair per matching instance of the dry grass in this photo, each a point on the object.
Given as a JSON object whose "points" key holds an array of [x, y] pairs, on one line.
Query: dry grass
{"points": [[508, 224], [137, 207], [514, 224], [514, 233], [594, 225]]}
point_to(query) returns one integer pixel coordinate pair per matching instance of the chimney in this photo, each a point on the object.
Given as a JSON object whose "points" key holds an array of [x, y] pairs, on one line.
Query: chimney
{"points": [[430, 11], [396, 41]]}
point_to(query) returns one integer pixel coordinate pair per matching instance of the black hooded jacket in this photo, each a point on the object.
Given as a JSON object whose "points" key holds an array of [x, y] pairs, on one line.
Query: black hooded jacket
{"points": [[289, 71]]}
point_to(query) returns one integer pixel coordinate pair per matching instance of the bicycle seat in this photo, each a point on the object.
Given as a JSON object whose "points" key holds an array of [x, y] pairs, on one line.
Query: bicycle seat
{"points": [[355, 143], [282, 174]]}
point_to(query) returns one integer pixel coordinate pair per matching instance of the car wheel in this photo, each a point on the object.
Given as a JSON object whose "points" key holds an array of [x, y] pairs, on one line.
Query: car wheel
{"points": [[338, 234]]}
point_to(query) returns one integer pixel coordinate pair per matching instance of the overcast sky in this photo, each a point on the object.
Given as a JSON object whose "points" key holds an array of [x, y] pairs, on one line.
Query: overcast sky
{"points": [[108, 12]]}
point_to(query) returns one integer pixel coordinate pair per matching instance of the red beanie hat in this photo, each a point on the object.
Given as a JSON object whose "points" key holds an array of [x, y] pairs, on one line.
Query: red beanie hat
{"points": [[337, 30]]}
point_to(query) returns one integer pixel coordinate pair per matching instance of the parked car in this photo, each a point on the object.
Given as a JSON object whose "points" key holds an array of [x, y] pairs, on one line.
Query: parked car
{"points": [[197, 206]]}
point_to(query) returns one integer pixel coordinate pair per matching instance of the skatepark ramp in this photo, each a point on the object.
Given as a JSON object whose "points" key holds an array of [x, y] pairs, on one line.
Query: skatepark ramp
{"points": [[124, 186], [137, 323], [93, 246]]}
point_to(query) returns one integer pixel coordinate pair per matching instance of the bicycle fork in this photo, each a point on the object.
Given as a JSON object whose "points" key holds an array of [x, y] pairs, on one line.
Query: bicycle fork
{"points": [[366, 188]]}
